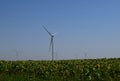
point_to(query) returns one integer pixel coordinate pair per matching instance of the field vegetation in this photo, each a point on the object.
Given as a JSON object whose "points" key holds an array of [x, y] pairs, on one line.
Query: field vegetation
{"points": [[61, 70]]}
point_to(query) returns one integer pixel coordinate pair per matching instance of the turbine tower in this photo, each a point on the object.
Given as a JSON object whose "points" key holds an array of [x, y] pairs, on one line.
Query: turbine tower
{"points": [[51, 42]]}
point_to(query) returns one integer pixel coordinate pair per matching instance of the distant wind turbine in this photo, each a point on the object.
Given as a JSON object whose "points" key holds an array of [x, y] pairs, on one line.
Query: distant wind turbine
{"points": [[17, 54], [85, 54], [51, 41]]}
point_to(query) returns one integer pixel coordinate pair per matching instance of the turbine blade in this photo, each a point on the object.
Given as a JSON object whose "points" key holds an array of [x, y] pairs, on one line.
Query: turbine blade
{"points": [[50, 43], [47, 31]]}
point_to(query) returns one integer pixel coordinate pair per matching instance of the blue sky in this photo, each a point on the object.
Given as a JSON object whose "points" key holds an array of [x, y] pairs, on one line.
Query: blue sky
{"points": [[82, 26]]}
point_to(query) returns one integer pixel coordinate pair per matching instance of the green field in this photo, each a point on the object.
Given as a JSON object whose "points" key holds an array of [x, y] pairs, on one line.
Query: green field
{"points": [[62, 70]]}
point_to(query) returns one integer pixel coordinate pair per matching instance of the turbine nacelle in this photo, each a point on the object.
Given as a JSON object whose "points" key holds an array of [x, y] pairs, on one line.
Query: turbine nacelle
{"points": [[53, 34]]}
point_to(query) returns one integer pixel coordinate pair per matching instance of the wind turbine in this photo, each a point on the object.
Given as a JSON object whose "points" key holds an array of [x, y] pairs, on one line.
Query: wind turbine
{"points": [[51, 42], [85, 54], [17, 53]]}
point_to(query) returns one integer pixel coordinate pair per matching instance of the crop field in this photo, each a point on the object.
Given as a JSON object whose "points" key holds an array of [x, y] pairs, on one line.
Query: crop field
{"points": [[61, 70]]}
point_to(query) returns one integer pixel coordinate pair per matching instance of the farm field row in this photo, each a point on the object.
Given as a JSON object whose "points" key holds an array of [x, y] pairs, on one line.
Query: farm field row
{"points": [[61, 70]]}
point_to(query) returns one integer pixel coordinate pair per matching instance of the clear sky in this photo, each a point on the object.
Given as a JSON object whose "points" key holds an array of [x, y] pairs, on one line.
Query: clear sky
{"points": [[89, 27]]}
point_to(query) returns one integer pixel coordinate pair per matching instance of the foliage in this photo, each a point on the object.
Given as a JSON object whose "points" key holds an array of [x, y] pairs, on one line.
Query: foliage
{"points": [[62, 70]]}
